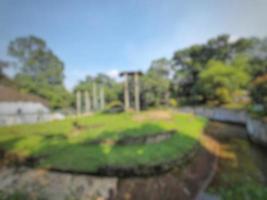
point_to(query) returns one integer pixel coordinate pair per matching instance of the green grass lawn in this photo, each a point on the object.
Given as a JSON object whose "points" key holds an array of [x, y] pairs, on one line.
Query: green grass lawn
{"points": [[66, 144]]}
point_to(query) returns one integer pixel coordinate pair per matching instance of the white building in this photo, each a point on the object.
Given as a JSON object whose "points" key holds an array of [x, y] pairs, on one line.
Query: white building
{"points": [[17, 107]]}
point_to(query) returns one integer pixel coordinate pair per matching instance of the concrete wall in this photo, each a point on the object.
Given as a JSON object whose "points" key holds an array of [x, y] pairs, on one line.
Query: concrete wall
{"points": [[256, 128], [219, 114], [23, 112]]}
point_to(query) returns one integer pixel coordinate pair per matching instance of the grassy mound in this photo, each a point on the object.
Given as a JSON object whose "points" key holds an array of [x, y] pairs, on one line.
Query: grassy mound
{"points": [[66, 144]]}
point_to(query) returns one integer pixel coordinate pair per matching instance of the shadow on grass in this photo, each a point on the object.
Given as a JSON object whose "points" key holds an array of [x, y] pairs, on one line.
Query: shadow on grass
{"points": [[144, 130]]}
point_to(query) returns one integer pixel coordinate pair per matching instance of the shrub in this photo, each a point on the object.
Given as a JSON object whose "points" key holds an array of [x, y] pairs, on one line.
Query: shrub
{"points": [[114, 107], [219, 81], [173, 102], [258, 91], [223, 95]]}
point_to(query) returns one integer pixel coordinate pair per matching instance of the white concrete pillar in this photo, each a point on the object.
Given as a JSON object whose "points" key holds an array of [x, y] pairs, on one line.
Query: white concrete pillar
{"points": [[102, 98], [136, 92], [126, 94], [78, 102]]}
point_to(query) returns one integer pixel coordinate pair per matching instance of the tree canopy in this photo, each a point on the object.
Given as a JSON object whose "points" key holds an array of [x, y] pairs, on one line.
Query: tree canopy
{"points": [[113, 89], [202, 73], [40, 70], [219, 81], [156, 83], [200, 69]]}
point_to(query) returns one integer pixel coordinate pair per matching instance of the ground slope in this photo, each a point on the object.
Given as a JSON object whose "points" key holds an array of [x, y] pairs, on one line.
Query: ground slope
{"points": [[71, 144]]}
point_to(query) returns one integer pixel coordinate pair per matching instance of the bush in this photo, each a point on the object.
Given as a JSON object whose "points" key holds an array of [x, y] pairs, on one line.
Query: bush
{"points": [[223, 95], [114, 107], [219, 81], [258, 91], [173, 102]]}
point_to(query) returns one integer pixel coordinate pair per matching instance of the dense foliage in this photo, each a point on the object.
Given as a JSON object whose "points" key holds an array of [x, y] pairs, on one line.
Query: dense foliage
{"points": [[155, 84], [221, 71], [40, 71], [113, 90], [259, 91], [219, 81], [216, 71]]}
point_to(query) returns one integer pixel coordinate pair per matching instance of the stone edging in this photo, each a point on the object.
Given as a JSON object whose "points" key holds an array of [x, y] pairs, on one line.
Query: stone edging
{"points": [[141, 139], [116, 171], [109, 170], [146, 139], [140, 170], [257, 130]]}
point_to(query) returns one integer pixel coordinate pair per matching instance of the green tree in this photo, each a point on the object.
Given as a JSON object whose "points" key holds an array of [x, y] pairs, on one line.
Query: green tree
{"points": [[219, 81], [156, 83], [258, 91], [258, 57], [40, 70], [36, 61], [190, 62], [113, 90]]}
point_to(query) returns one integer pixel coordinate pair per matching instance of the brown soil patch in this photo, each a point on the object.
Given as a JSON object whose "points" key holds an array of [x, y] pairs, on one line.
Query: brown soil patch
{"points": [[78, 128], [153, 115], [11, 94], [13, 159]]}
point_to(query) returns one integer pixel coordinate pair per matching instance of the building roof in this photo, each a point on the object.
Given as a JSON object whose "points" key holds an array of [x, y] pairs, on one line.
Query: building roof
{"points": [[11, 94], [131, 73]]}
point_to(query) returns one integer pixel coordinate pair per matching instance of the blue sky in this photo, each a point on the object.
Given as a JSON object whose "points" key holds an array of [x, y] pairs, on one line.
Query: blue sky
{"points": [[108, 36]]}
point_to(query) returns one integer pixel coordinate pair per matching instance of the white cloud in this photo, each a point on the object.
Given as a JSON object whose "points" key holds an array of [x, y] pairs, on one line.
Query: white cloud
{"points": [[114, 73]]}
